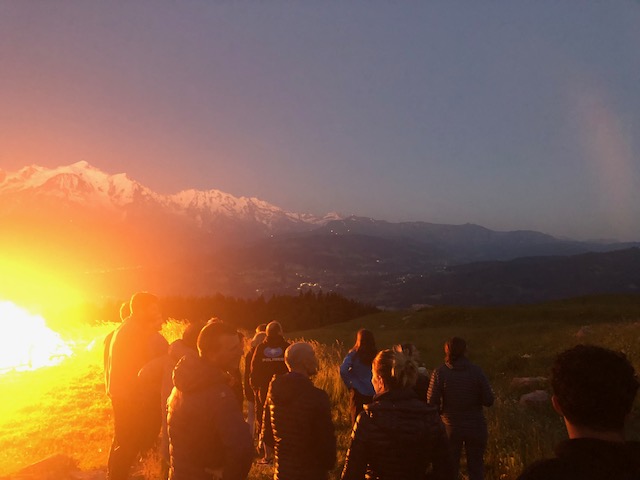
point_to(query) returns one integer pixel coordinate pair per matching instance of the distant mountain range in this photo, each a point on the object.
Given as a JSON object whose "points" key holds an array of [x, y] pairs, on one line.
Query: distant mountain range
{"points": [[118, 235]]}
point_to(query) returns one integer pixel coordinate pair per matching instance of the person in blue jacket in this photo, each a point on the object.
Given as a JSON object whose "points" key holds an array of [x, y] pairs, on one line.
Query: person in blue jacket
{"points": [[356, 372]]}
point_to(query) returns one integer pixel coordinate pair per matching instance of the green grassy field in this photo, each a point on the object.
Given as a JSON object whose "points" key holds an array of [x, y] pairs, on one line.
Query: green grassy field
{"points": [[63, 409]]}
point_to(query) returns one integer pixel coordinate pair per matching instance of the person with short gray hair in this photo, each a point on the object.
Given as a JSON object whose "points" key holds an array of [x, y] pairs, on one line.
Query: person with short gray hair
{"points": [[297, 420]]}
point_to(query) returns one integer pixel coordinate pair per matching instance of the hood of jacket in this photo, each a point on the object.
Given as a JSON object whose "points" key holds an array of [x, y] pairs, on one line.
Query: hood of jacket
{"points": [[179, 349], [193, 373], [276, 341], [286, 388]]}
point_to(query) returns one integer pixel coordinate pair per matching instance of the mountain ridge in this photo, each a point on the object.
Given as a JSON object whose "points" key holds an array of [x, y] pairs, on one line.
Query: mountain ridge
{"points": [[118, 234]]}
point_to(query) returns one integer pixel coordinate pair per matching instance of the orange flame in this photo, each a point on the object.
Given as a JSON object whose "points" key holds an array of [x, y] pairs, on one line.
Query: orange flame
{"points": [[26, 342]]}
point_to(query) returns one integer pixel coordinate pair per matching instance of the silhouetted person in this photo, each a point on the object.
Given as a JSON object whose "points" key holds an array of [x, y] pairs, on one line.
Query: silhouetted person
{"points": [[356, 371], [136, 421], [249, 392], [459, 389], [208, 435], [125, 311], [297, 420], [157, 376], [397, 436], [267, 361], [593, 389]]}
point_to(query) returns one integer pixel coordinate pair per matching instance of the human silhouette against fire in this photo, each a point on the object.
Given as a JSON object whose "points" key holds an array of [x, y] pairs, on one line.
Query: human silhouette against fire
{"points": [[136, 422]]}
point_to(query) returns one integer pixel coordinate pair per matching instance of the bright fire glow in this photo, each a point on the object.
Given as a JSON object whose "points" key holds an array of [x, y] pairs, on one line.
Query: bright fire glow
{"points": [[26, 343]]}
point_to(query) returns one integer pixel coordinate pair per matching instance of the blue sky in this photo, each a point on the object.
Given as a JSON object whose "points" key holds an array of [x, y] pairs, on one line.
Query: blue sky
{"points": [[512, 115]]}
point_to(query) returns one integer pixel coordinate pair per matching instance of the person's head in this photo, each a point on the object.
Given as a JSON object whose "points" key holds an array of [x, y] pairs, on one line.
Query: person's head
{"points": [[261, 328], [454, 348], [365, 346], [190, 334], [125, 311], [593, 387], [273, 329], [145, 307], [409, 350], [391, 370], [219, 344], [301, 358], [257, 339]]}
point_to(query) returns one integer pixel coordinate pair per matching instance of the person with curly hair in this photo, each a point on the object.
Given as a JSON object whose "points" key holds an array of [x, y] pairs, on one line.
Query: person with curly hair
{"points": [[593, 389]]}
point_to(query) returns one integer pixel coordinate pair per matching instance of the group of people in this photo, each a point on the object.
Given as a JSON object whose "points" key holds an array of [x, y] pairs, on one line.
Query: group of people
{"points": [[407, 424]]}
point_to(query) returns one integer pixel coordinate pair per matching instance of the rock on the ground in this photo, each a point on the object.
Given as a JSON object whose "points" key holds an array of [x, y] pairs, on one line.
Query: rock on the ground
{"points": [[535, 399], [528, 382]]}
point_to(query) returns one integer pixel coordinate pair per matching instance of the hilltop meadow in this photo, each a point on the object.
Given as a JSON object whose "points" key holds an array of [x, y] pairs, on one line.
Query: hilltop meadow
{"points": [[63, 409]]}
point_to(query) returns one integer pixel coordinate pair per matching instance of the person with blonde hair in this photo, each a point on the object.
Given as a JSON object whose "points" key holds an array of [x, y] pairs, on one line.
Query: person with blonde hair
{"points": [[422, 382], [397, 436]]}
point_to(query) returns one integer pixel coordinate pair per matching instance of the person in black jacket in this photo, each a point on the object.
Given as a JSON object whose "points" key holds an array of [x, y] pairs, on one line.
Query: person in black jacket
{"points": [[593, 389], [397, 436], [249, 393], [297, 420], [267, 361], [459, 389], [208, 436]]}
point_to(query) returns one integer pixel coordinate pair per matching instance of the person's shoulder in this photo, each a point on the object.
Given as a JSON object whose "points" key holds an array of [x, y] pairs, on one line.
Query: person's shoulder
{"points": [[475, 368], [319, 395], [257, 350], [440, 369], [549, 469]]}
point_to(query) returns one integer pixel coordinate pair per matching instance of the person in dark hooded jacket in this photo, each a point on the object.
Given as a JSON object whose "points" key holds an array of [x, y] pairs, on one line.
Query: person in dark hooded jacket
{"points": [[397, 436], [267, 361], [459, 389], [157, 376], [207, 432], [297, 420]]}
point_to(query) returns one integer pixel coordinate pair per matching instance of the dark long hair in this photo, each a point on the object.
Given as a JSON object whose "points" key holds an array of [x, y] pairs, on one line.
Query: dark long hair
{"points": [[457, 349], [365, 346]]}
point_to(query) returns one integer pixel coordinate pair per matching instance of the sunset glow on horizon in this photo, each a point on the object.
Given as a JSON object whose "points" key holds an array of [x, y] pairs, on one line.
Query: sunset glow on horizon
{"points": [[436, 112]]}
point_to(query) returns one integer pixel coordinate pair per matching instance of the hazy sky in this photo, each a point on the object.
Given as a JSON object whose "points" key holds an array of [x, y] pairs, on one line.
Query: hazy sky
{"points": [[512, 115]]}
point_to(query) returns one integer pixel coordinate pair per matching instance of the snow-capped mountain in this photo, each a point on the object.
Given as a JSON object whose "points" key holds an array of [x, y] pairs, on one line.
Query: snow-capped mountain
{"points": [[83, 185], [109, 235]]}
